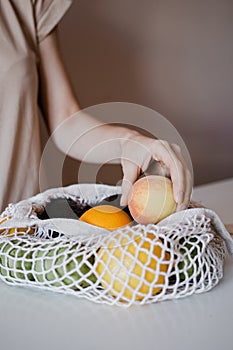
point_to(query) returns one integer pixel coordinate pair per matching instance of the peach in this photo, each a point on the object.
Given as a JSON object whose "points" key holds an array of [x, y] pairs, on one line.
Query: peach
{"points": [[151, 199]]}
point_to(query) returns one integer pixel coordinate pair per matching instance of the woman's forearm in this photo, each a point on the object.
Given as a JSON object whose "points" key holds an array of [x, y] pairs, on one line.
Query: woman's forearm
{"points": [[80, 136], [83, 137]]}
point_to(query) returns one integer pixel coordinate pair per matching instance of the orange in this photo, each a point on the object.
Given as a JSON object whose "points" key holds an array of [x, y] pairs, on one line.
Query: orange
{"points": [[2, 220], [106, 216], [17, 231], [132, 267]]}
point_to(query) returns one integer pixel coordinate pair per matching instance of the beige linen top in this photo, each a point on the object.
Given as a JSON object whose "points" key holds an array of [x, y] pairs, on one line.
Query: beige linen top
{"points": [[23, 24]]}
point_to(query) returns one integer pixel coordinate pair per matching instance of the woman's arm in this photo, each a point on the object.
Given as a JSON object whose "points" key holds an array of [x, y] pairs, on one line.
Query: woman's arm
{"points": [[63, 114], [96, 142]]}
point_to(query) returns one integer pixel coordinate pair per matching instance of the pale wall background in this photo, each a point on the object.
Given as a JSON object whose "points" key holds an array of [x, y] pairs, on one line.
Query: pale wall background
{"points": [[175, 56]]}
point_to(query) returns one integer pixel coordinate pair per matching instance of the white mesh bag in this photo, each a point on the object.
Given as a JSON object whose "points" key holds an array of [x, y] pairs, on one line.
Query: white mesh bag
{"points": [[137, 264]]}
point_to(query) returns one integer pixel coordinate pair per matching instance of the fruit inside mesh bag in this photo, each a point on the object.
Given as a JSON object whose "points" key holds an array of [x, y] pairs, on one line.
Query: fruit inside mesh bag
{"points": [[128, 265], [132, 267], [57, 264]]}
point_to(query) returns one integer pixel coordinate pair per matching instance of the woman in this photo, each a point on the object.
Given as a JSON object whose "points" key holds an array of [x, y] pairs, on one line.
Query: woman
{"points": [[33, 77]]}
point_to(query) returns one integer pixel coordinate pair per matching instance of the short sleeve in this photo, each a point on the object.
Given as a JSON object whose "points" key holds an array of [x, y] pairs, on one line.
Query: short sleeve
{"points": [[47, 14]]}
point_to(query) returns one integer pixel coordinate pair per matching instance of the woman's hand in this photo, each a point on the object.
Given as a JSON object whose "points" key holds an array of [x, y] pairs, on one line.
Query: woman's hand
{"points": [[137, 153]]}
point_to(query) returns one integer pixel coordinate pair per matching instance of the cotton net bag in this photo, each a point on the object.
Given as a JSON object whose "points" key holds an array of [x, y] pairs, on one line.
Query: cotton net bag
{"points": [[136, 264]]}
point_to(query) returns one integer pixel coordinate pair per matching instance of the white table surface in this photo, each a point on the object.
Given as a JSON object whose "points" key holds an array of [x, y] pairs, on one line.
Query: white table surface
{"points": [[32, 319]]}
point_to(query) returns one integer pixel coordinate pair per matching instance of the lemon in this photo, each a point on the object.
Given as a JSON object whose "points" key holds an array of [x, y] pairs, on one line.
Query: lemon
{"points": [[132, 267]]}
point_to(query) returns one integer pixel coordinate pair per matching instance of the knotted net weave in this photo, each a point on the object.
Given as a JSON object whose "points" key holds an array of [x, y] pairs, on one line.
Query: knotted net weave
{"points": [[137, 264]]}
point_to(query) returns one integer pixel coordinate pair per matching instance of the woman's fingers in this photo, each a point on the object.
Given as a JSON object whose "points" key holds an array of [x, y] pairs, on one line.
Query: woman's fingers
{"points": [[137, 155], [163, 152], [188, 191], [188, 181], [131, 171]]}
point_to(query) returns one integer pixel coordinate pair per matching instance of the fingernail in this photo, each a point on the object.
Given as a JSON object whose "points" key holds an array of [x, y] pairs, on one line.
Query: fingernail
{"points": [[123, 201], [176, 197], [181, 207], [179, 197]]}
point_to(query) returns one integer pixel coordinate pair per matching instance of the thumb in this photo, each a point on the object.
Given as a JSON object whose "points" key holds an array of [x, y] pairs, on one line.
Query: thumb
{"points": [[130, 174]]}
